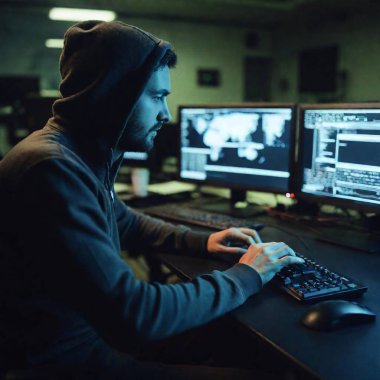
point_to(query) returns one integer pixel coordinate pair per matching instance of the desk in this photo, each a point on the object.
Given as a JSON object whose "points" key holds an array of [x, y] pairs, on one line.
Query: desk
{"points": [[273, 317]]}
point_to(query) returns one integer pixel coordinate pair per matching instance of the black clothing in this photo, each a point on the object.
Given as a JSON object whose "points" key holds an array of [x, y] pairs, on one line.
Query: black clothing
{"points": [[64, 290]]}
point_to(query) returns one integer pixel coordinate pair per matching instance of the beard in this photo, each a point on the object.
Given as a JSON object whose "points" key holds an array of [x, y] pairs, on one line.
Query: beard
{"points": [[137, 138]]}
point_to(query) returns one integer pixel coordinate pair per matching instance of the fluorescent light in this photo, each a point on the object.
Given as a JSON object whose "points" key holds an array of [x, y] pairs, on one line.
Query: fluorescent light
{"points": [[75, 14], [54, 43]]}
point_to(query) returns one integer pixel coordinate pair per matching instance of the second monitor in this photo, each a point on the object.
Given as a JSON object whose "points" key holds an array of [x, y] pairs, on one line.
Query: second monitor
{"points": [[339, 154], [242, 147], [339, 163]]}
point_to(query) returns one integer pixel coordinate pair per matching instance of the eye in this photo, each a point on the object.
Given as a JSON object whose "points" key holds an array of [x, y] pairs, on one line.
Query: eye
{"points": [[158, 98]]}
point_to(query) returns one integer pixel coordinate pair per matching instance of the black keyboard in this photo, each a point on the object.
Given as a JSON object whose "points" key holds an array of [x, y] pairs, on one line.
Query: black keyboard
{"points": [[201, 218], [312, 282]]}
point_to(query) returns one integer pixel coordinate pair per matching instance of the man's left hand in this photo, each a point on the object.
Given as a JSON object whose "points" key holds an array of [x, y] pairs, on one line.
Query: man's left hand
{"points": [[232, 240]]}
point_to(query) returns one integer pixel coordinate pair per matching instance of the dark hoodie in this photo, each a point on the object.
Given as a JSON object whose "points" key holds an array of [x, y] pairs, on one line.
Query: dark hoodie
{"points": [[63, 286]]}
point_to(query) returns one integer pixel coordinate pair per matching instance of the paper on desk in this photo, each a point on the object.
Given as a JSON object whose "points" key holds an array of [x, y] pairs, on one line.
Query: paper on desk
{"points": [[164, 188], [171, 187], [122, 187]]}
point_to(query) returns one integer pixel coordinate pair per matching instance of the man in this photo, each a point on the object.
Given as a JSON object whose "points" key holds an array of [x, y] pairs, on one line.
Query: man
{"points": [[69, 303]]}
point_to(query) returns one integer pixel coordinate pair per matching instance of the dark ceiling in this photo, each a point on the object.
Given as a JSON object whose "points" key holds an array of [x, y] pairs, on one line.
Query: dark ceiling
{"points": [[257, 13]]}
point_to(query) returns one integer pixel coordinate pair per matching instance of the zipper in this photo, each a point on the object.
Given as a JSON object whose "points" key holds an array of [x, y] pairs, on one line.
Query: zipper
{"points": [[108, 177]]}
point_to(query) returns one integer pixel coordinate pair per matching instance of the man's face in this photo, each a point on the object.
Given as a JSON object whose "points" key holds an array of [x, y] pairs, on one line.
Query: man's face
{"points": [[150, 112]]}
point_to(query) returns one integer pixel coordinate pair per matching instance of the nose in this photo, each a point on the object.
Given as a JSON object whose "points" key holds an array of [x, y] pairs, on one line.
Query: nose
{"points": [[164, 115]]}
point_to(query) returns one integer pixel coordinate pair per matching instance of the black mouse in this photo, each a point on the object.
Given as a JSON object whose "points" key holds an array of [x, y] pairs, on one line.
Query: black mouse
{"points": [[334, 314]]}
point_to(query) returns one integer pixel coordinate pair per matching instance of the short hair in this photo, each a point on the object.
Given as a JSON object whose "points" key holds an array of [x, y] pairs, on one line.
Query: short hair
{"points": [[169, 59]]}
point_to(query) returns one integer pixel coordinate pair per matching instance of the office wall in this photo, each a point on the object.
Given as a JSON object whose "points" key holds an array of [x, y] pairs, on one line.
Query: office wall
{"points": [[358, 39], [202, 46], [22, 51], [23, 33]]}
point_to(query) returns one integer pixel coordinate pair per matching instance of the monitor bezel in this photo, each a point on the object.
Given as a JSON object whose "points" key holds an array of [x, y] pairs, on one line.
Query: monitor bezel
{"points": [[327, 199], [222, 184]]}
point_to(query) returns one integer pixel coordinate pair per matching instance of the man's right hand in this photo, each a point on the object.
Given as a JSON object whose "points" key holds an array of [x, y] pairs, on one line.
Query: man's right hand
{"points": [[269, 258]]}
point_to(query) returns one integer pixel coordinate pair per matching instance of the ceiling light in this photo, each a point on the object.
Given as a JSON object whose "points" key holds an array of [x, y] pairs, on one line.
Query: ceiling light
{"points": [[75, 14], [54, 43]]}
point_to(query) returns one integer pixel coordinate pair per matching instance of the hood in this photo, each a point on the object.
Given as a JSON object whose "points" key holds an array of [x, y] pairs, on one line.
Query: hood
{"points": [[104, 68]]}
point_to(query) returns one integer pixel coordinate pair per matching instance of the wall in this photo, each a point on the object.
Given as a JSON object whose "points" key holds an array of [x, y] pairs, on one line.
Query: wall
{"points": [[22, 51], [23, 33], [358, 39]]}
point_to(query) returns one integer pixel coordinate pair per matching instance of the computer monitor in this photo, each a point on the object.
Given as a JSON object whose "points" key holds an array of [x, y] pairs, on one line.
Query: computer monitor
{"points": [[339, 154], [136, 159], [16, 87], [242, 147]]}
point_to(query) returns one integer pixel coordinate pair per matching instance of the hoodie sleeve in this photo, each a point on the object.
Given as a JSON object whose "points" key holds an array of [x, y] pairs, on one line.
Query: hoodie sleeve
{"points": [[137, 230], [63, 228]]}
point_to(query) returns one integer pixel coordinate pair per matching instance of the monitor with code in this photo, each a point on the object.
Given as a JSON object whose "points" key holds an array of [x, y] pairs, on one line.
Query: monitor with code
{"points": [[340, 153]]}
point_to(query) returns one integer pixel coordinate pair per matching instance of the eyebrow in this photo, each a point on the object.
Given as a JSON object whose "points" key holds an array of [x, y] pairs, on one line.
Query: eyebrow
{"points": [[162, 92]]}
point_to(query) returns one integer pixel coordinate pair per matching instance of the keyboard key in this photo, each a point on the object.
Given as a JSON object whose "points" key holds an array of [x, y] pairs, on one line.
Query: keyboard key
{"points": [[314, 292], [311, 281]]}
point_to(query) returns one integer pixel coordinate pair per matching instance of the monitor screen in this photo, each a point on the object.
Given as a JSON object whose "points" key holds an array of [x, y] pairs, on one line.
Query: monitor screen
{"points": [[16, 87], [340, 153], [243, 146]]}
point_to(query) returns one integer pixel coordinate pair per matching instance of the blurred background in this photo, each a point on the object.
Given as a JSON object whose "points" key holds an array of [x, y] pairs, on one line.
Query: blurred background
{"points": [[229, 51]]}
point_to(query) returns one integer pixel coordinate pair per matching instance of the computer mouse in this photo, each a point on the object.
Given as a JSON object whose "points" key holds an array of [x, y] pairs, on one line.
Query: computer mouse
{"points": [[335, 314]]}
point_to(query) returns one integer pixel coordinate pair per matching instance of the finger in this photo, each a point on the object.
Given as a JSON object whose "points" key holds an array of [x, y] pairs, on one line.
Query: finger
{"points": [[253, 233], [254, 249], [266, 244], [257, 237], [237, 234], [288, 260], [275, 246], [289, 251], [279, 250], [248, 231], [232, 250]]}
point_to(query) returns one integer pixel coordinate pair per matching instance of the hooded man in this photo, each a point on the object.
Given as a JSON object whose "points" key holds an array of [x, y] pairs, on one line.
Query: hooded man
{"points": [[69, 303]]}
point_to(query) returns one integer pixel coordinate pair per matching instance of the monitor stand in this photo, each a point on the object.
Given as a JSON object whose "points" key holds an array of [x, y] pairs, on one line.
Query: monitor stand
{"points": [[304, 207], [231, 207]]}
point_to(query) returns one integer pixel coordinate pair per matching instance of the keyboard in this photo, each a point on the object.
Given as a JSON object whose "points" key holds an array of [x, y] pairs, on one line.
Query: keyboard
{"points": [[313, 282], [305, 282], [201, 218]]}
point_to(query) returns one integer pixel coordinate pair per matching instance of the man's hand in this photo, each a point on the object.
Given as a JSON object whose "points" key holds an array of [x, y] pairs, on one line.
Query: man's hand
{"points": [[269, 258], [224, 241]]}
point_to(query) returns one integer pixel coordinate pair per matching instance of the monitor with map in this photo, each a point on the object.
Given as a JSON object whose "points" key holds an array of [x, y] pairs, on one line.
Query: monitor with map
{"points": [[246, 146]]}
